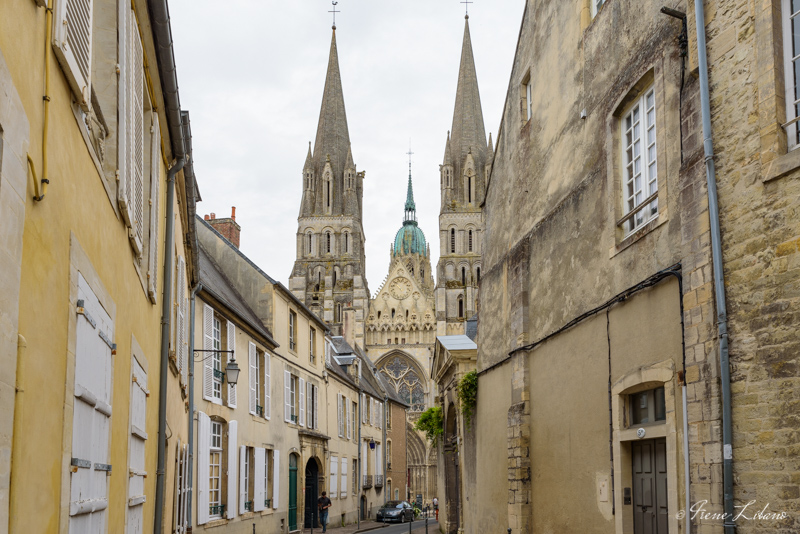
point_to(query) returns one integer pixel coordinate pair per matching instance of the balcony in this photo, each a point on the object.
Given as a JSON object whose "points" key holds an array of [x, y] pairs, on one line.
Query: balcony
{"points": [[216, 510], [378, 481], [367, 482]]}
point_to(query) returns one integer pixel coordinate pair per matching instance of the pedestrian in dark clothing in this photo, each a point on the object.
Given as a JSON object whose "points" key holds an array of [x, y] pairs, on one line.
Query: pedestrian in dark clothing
{"points": [[323, 503]]}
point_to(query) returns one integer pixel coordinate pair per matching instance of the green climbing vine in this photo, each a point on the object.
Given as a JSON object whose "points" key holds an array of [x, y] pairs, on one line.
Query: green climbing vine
{"points": [[430, 421], [468, 396]]}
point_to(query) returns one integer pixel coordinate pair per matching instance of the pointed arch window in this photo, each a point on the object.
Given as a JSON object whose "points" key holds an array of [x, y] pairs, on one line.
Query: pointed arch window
{"points": [[392, 313], [309, 249], [469, 188], [478, 274], [460, 307], [470, 240], [452, 241], [464, 275], [328, 242], [346, 243]]}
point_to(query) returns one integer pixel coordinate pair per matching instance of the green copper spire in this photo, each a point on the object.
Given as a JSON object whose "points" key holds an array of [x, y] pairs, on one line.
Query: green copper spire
{"points": [[410, 239], [411, 208]]}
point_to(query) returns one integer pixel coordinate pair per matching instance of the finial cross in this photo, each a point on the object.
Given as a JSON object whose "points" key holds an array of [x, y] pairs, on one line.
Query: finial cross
{"points": [[334, 12], [466, 5]]}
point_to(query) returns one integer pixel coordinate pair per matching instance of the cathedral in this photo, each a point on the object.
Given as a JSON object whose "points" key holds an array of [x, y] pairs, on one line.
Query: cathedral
{"points": [[398, 326]]}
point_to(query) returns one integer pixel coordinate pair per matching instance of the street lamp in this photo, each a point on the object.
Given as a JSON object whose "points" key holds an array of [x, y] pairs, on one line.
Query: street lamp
{"points": [[231, 370]]}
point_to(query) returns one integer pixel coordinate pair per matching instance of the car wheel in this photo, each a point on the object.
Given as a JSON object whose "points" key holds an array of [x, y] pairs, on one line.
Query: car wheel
{"points": [[403, 518]]}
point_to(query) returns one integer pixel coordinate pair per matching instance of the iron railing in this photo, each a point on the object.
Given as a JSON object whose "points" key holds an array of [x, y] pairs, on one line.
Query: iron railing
{"points": [[378, 481], [218, 509]]}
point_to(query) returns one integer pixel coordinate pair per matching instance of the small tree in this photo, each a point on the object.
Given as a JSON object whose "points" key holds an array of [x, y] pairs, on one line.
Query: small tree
{"points": [[468, 396], [430, 421]]}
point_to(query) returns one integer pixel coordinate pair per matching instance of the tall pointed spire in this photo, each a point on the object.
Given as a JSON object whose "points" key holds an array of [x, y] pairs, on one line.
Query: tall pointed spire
{"points": [[468, 131], [411, 207], [309, 159], [333, 137]]}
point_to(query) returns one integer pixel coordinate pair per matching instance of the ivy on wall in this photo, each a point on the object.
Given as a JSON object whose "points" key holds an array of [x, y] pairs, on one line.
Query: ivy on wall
{"points": [[468, 396]]}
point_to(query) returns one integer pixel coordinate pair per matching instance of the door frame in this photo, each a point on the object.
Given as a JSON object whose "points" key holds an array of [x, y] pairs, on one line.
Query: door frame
{"points": [[636, 380]]}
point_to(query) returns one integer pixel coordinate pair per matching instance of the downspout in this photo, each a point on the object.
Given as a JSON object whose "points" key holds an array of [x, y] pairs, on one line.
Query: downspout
{"points": [[166, 307], [719, 278], [196, 289], [360, 469], [383, 424], [162, 37]]}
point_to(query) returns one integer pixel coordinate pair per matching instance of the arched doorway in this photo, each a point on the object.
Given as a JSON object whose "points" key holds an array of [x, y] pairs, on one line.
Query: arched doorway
{"points": [[311, 516], [451, 479], [364, 508], [292, 492]]}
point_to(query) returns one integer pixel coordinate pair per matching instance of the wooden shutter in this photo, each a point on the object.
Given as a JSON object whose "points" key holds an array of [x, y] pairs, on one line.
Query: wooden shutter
{"points": [[378, 459], [232, 469], [287, 396], [339, 412], [267, 385], [136, 448], [259, 482], [72, 43], [309, 405], [347, 422], [208, 344], [136, 130], [231, 355], [155, 182], [343, 488], [316, 407], [334, 476], [276, 477], [91, 414], [363, 408], [302, 401], [364, 460], [252, 355], [242, 479], [181, 346], [203, 456]]}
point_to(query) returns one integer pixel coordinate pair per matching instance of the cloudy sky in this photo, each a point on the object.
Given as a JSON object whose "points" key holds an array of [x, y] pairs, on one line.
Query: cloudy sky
{"points": [[252, 73]]}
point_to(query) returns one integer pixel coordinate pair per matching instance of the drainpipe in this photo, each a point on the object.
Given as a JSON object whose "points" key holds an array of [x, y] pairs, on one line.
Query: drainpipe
{"points": [[719, 279], [360, 470], [166, 307], [196, 290], [383, 460]]}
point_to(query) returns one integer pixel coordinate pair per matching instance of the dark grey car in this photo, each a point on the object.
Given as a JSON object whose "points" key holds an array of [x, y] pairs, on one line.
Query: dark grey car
{"points": [[395, 511]]}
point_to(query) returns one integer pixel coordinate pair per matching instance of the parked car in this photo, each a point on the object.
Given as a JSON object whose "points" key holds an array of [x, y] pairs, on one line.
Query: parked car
{"points": [[395, 511]]}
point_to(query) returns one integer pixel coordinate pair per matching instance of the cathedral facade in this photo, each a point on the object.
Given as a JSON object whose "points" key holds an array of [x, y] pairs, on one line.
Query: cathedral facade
{"points": [[396, 328]]}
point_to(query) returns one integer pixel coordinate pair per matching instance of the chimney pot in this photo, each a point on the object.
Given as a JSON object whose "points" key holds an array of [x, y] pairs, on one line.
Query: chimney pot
{"points": [[213, 216], [233, 212], [205, 217]]}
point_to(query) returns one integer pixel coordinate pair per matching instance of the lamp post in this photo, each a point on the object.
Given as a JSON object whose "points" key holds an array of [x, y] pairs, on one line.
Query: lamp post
{"points": [[231, 370]]}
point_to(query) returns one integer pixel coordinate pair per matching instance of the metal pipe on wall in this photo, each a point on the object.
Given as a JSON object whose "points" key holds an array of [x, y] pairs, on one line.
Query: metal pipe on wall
{"points": [[719, 278]]}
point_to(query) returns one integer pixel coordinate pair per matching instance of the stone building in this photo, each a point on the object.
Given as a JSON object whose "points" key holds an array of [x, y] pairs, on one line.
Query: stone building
{"points": [[463, 176], [329, 273], [606, 350]]}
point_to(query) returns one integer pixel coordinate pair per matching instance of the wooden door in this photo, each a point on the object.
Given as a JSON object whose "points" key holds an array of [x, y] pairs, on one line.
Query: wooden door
{"points": [[292, 492], [649, 486]]}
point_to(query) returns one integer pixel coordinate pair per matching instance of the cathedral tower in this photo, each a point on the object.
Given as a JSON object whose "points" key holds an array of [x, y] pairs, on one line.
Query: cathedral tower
{"points": [[463, 176], [329, 272]]}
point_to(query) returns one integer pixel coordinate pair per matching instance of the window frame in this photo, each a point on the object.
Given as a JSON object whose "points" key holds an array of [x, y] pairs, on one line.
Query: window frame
{"points": [[596, 6], [216, 358], [647, 193], [792, 125], [217, 450], [292, 330]]}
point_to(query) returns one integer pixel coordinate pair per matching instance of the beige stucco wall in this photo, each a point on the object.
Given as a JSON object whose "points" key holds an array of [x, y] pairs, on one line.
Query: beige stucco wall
{"points": [[342, 448]]}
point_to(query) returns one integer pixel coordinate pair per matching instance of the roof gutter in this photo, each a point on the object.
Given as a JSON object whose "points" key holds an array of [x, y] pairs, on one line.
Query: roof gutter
{"points": [[162, 37]]}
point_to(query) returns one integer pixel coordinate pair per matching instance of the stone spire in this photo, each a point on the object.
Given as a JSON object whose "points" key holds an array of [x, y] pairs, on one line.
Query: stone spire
{"points": [[448, 158], [333, 137], [468, 131], [309, 159]]}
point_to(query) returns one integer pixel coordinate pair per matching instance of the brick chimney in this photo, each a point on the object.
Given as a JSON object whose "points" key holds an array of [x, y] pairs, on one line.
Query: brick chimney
{"points": [[226, 226]]}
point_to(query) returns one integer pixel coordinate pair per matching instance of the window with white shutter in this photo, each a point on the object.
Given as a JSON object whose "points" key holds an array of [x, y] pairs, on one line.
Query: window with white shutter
{"points": [[364, 460], [136, 447], [339, 412], [232, 463], [343, 487], [334, 488], [347, 418], [181, 520], [316, 408], [378, 460], [210, 343], [354, 418], [310, 422], [302, 401], [72, 43], [252, 376], [363, 408], [288, 408], [276, 477], [91, 414], [259, 480], [155, 182], [231, 347], [204, 460], [244, 468], [267, 385]]}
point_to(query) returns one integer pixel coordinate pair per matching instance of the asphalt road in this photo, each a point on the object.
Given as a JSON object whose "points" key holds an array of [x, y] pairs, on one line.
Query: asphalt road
{"points": [[400, 528]]}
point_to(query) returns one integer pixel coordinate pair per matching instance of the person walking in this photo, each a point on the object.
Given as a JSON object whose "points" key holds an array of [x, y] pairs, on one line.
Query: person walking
{"points": [[323, 503], [436, 507]]}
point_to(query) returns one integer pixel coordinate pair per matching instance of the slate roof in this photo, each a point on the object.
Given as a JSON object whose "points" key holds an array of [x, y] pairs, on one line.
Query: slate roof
{"points": [[216, 284], [472, 327], [459, 342]]}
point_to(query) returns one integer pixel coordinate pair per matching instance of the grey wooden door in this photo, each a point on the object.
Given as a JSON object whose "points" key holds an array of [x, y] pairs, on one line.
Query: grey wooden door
{"points": [[650, 486]]}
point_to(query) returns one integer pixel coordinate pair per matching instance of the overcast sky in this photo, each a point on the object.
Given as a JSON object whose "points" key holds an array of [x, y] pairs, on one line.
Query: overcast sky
{"points": [[251, 74]]}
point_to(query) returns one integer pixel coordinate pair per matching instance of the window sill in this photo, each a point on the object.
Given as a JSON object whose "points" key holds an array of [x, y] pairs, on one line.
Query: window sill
{"points": [[217, 522], [660, 219], [782, 165]]}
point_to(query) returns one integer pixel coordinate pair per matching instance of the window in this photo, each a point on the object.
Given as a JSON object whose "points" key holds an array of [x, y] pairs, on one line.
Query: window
{"points": [[354, 421], [452, 241], [333, 490], [269, 477], [341, 403], [215, 471], [182, 519], [529, 99], [296, 402], [292, 330], [647, 406], [312, 341], [328, 242], [216, 359], [258, 377], [312, 406], [355, 477], [460, 306], [470, 240], [346, 243], [246, 500], [343, 485], [464, 275], [406, 382], [388, 417], [389, 451], [640, 181], [309, 248], [469, 188], [596, 5], [478, 274], [791, 53], [136, 444]]}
